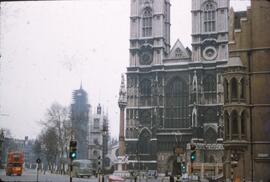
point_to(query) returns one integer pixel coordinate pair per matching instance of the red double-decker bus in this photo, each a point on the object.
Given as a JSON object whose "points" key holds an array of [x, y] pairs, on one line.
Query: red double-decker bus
{"points": [[15, 163]]}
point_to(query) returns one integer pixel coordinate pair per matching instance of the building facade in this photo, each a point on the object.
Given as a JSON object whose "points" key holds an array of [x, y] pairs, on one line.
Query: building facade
{"points": [[246, 95], [80, 110], [174, 94], [99, 136]]}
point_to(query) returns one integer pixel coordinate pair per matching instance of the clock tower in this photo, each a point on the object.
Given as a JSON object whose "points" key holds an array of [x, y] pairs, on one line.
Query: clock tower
{"points": [[149, 32]]}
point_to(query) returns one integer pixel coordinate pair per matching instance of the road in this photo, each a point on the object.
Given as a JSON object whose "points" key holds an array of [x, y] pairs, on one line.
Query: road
{"points": [[30, 175]]}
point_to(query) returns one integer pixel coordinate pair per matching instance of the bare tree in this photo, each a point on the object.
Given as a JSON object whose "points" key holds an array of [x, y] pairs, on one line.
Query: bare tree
{"points": [[50, 146], [57, 117]]}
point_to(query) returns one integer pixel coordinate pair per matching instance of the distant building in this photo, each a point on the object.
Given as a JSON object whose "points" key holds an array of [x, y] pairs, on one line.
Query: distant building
{"points": [[80, 110], [2, 137], [99, 135], [13, 144], [29, 156], [10, 145], [113, 153], [247, 95]]}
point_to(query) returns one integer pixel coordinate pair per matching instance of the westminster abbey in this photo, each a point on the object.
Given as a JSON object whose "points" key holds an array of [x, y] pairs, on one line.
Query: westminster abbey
{"points": [[175, 94]]}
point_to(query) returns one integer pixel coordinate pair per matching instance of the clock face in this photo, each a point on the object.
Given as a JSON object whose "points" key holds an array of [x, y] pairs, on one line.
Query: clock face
{"points": [[146, 58], [210, 53]]}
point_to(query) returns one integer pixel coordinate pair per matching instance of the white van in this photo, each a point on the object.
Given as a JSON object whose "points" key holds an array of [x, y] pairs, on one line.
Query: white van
{"points": [[82, 168]]}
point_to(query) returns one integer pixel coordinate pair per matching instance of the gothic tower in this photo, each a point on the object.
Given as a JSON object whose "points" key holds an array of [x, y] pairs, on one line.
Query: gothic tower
{"points": [[149, 45], [149, 31], [210, 51], [209, 57], [209, 30]]}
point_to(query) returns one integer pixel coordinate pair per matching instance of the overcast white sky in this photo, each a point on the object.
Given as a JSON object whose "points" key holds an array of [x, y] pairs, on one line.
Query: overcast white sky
{"points": [[48, 48]]}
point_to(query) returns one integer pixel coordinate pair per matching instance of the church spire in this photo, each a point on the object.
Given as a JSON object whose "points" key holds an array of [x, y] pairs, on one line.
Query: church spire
{"points": [[81, 85]]}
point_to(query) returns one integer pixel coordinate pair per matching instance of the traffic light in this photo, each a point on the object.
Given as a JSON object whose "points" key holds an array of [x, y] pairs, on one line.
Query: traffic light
{"points": [[73, 149], [99, 163], [183, 167], [192, 152]]}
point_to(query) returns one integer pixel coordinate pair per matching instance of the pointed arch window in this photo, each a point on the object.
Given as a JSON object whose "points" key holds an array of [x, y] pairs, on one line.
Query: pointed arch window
{"points": [[210, 135], [144, 142], [176, 104], [234, 120], [209, 84], [226, 93], [147, 23], [234, 89], [209, 17], [227, 125], [243, 123], [145, 92], [243, 89]]}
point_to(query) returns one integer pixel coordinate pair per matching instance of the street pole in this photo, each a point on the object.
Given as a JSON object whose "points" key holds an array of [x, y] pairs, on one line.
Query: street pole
{"points": [[70, 173], [37, 173], [38, 161]]}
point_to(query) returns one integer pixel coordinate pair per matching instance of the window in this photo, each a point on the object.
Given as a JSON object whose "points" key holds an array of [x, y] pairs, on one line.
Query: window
{"points": [[176, 104], [209, 17], [226, 86], [243, 123], [243, 89], [144, 142], [194, 120], [96, 123], [96, 141], [234, 88], [210, 135], [145, 116], [234, 123], [147, 23], [145, 92], [209, 83], [178, 53], [227, 124], [145, 87]]}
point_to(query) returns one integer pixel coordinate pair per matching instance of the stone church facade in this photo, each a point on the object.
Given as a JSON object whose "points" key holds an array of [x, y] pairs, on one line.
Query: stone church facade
{"points": [[175, 95]]}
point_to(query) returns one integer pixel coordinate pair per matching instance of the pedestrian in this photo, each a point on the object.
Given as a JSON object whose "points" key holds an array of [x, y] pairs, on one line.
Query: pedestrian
{"points": [[171, 178]]}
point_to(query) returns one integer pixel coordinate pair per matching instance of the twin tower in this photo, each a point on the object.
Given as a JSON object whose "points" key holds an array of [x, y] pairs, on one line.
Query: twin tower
{"points": [[174, 94]]}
